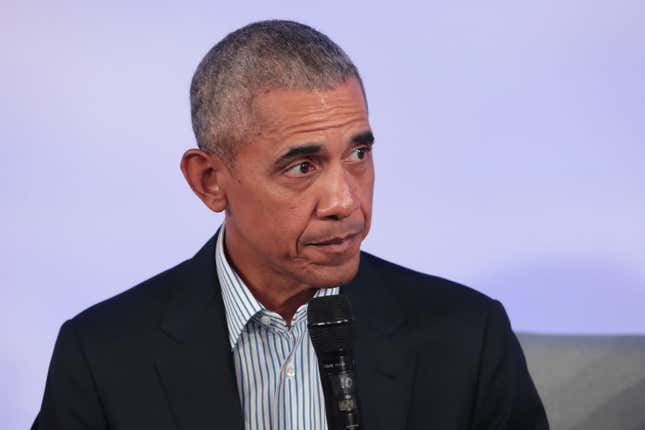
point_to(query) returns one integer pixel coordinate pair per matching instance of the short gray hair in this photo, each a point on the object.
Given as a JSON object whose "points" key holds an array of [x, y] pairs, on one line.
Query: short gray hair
{"points": [[263, 55]]}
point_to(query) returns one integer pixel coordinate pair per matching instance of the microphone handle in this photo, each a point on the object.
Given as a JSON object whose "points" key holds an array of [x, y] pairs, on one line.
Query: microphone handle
{"points": [[339, 386]]}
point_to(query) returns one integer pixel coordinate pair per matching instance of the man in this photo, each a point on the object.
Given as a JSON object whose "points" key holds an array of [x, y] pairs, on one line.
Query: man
{"points": [[220, 341]]}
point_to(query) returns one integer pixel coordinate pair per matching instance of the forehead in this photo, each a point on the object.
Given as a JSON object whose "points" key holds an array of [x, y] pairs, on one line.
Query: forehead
{"points": [[285, 115]]}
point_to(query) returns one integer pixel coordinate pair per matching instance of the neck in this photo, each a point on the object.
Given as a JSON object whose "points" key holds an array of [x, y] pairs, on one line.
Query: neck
{"points": [[278, 294]]}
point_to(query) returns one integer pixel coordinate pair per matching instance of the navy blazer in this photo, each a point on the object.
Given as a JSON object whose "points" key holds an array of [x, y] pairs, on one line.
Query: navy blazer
{"points": [[430, 354]]}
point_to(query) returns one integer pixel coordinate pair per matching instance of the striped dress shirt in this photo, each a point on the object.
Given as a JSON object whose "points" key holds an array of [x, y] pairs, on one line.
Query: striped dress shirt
{"points": [[276, 366]]}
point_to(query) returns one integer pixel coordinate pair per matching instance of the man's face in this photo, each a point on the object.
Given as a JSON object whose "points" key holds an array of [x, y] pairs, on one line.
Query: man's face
{"points": [[299, 196]]}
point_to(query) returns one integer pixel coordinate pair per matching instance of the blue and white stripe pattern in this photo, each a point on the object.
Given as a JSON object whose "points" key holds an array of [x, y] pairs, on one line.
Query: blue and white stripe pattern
{"points": [[276, 367]]}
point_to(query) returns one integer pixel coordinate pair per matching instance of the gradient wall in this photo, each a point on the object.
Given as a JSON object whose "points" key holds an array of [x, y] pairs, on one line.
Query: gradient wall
{"points": [[509, 155]]}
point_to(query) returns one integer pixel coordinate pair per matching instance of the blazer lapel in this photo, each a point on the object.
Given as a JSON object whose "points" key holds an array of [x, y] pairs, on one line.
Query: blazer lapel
{"points": [[194, 361], [384, 370]]}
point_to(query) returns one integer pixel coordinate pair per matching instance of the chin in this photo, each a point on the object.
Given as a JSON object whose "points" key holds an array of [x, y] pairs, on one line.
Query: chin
{"points": [[324, 276]]}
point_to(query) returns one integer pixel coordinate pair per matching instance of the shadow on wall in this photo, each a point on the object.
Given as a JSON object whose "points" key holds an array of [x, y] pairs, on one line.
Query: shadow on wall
{"points": [[569, 296]]}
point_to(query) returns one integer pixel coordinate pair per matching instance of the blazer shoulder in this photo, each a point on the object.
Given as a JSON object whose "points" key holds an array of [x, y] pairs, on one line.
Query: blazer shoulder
{"points": [[139, 307], [417, 291]]}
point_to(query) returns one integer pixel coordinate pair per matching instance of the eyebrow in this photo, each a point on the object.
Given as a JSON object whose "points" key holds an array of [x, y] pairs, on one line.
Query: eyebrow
{"points": [[364, 138]]}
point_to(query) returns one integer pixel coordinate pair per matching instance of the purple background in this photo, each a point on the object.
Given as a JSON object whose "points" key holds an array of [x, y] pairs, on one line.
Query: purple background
{"points": [[509, 156]]}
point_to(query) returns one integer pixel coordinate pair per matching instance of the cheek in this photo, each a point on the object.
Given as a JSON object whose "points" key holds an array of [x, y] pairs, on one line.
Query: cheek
{"points": [[296, 216], [284, 220]]}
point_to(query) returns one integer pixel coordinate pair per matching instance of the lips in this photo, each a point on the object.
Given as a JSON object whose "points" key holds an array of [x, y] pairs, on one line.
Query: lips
{"points": [[339, 246], [335, 240]]}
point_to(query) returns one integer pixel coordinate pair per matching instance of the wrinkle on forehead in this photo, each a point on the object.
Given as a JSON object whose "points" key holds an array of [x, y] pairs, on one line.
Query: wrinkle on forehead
{"points": [[280, 113], [314, 125]]}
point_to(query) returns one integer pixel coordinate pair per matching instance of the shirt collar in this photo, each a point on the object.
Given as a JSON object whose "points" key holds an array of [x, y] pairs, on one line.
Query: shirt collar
{"points": [[240, 304]]}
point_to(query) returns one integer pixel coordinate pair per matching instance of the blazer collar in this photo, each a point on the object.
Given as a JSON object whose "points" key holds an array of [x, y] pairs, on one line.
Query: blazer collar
{"points": [[373, 301], [194, 291]]}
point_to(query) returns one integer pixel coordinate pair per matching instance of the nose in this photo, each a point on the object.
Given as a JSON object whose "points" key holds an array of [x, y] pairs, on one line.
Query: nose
{"points": [[337, 195]]}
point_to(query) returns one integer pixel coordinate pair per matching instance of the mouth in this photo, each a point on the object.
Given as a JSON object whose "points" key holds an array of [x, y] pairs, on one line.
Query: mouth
{"points": [[338, 244]]}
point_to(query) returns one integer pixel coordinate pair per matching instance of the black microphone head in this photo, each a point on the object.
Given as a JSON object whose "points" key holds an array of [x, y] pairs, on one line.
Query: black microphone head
{"points": [[330, 324]]}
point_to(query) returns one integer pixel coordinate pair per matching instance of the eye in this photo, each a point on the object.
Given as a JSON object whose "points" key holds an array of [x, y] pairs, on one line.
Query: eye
{"points": [[359, 153], [301, 169]]}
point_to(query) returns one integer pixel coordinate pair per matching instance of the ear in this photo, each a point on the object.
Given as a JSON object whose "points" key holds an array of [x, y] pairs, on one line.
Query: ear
{"points": [[204, 173]]}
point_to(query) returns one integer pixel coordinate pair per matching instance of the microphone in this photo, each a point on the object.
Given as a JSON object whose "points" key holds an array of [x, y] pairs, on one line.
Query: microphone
{"points": [[330, 327]]}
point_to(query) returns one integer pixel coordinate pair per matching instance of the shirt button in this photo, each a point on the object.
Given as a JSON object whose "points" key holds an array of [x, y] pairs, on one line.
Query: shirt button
{"points": [[266, 320], [290, 372]]}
